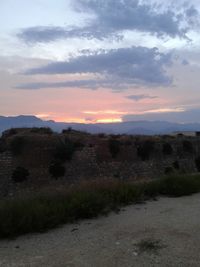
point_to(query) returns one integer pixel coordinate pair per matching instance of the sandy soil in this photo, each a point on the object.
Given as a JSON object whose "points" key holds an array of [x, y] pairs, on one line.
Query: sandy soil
{"points": [[119, 240]]}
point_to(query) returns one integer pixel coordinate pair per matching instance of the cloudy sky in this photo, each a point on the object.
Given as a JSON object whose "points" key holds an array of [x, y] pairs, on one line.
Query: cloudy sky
{"points": [[100, 60]]}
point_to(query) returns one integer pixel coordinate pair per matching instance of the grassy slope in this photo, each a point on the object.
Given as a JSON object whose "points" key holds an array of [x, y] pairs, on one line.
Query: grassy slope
{"points": [[48, 210]]}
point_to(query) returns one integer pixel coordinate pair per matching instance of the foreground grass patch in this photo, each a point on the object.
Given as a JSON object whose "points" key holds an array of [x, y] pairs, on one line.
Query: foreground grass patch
{"points": [[149, 246], [47, 210]]}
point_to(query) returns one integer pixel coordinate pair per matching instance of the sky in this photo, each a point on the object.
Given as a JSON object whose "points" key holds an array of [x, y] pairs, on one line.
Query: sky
{"points": [[93, 61]]}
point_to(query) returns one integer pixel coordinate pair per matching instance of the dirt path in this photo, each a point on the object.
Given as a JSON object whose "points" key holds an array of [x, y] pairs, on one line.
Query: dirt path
{"points": [[158, 233]]}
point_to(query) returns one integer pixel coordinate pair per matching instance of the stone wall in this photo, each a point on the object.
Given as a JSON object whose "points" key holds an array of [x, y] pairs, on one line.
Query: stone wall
{"points": [[85, 165], [6, 167], [94, 160]]}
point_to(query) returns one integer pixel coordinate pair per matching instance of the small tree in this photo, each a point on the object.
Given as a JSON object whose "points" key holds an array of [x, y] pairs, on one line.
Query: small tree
{"points": [[20, 174]]}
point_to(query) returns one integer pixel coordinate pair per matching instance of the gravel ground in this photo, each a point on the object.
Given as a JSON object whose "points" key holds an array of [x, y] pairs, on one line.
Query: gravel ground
{"points": [[159, 233]]}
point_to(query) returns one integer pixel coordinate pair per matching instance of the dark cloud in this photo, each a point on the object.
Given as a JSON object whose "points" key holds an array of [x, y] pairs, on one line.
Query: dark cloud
{"points": [[117, 68], [113, 17], [88, 84], [185, 62], [187, 116], [42, 34], [140, 97], [46, 34], [132, 15], [92, 84]]}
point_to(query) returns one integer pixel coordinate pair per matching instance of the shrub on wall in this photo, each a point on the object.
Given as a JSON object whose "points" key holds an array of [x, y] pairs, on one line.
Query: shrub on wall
{"points": [[10, 132], [145, 149], [42, 130], [2, 145], [197, 162], [114, 147], [176, 165], [167, 149], [187, 146], [68, 130], [64, 151], [169, 170], [20, 174], [17, 145], [78, 145], [57, 170], [101, 135]]}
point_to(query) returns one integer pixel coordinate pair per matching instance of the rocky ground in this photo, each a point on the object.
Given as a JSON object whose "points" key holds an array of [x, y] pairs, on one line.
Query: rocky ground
{"points": [[159, 233]]}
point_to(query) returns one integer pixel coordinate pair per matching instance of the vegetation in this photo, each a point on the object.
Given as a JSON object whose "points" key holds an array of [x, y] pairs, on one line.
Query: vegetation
{"points": [[20, 174], [149, 245], [64, 151], [10, 132], [187, 146], [114, 147], [57, 170], [197, 162], [176, 165], [17, 145], [44, 211], [169, 170], [41, 130], [145, 149], [3, 145], [167, 149]]}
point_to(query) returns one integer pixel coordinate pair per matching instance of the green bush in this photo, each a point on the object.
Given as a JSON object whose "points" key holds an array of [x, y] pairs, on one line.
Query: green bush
{"points": [[68, 130], [42, 130], [17, 145], [145, 149], [169, 170], [57, 170], [173, 185], [20, 175], [9, 132], [78, 145], [3, 145], [114, 147], [64, 151], [197, 162], [167, 149], [177, 185], [176, 165], [187, 146], [101, 135]]}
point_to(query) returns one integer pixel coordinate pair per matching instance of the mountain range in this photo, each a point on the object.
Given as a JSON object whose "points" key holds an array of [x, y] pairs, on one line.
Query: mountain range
{"points": [[130, 127]]}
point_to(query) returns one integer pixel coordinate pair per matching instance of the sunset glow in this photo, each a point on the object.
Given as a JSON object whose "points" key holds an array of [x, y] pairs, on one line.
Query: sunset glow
{"points": [[126, 69], [109, 120]]}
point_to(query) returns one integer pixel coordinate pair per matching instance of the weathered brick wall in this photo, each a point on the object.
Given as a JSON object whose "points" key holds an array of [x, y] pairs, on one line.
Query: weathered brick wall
{"points": [[85, 165], [93, 161], [6, 167]]}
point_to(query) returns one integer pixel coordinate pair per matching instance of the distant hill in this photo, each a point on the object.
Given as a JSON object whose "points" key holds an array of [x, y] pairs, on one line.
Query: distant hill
{"points": [[134, 127]]}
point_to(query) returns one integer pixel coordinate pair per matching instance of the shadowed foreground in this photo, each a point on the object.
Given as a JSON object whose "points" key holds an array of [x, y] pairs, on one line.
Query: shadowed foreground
{"points": [[158, 233]]}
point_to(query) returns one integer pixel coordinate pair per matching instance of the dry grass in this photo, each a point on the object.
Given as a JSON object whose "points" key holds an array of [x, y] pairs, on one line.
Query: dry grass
{"points": [[51, 208]]}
